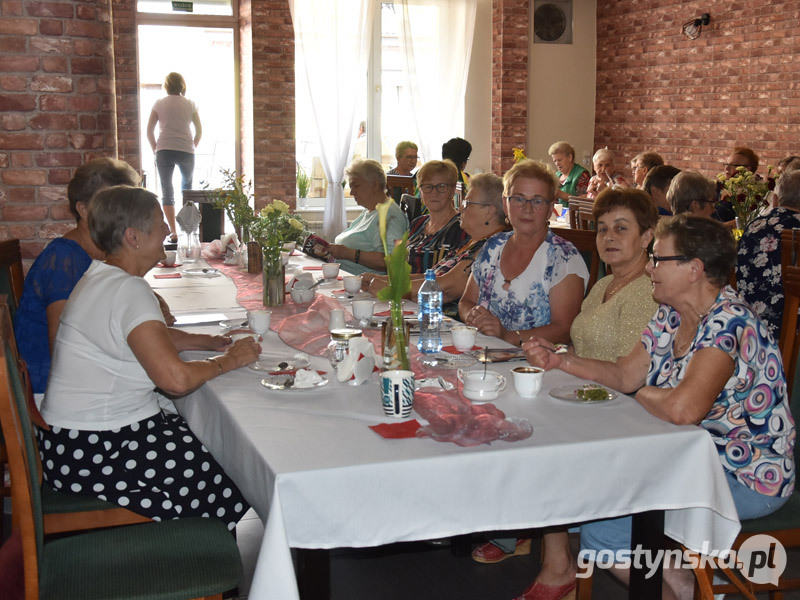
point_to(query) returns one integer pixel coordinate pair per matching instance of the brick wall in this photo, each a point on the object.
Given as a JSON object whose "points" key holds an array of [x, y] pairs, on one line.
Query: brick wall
{"points": [[692, 101], [126, 81], [509, 81], [56, 110], [273, 101]]}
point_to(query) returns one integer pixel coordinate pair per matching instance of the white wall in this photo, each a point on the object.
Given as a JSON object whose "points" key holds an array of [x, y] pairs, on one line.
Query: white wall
{"points": [[561, 88], [478, 102]]}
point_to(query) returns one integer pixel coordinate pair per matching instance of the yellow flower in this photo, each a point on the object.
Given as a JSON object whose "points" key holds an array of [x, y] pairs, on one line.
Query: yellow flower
{"points": [[519, 154], [280, 206], [383, 211], [295, 223], [267, 210]]}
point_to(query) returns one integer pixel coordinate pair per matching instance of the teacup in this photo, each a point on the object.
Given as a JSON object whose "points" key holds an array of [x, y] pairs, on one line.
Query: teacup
{"points": [[330, 270], [363, 309], [302, 296], [169, 258], [352, 283], [259, 320], [289, 246], [241, 335], [397, 393], [528, 380], [463, 337], [337, 319], [480, 386], [284, 258]]}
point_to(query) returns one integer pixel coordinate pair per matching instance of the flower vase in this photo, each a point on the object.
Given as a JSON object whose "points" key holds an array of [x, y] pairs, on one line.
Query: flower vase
{"points": [[274, 291], [738, 229], [394, 339]]}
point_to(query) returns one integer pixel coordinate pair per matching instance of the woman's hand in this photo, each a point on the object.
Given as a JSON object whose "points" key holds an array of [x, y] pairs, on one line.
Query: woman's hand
{"points": [[541, 353], [486, 322], [339, 251], [219, 342], [169, 318], [376, 284], [242, 352]]}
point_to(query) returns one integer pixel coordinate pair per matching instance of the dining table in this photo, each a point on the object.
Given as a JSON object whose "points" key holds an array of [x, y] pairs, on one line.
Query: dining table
{"points": [[321, 478]]}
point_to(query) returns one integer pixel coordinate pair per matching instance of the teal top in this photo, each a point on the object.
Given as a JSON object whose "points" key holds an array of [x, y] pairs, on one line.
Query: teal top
{"points": [[363, 234]]}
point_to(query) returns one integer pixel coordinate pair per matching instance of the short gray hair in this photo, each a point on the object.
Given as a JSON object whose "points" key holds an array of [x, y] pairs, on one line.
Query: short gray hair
{"points": [[115, 209], [367, 169], [787, 189], [603, 153], [490, 188], [687, 187]]}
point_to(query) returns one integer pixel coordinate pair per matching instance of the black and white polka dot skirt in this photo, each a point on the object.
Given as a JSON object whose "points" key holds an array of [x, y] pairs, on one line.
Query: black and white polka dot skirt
{"points": [[155, 467]]}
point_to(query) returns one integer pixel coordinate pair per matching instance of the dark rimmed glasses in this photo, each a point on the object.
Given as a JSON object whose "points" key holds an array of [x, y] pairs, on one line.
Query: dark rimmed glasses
{"points": [[520, 201], [439, 187], [655, 259], [466, 203]]}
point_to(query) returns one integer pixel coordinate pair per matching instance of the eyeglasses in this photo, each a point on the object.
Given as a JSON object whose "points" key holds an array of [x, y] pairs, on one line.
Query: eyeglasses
{"points": [[655, 259], [439, 187], [466, 203], [414, 158], [520, 201]]}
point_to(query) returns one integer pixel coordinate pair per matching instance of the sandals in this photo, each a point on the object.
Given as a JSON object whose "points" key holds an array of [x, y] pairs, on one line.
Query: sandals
{"points": [[489, 554], [540, 591]]}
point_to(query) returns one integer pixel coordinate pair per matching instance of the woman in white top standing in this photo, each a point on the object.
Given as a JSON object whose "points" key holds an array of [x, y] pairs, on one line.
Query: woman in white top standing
{"points": [[175, 146]]}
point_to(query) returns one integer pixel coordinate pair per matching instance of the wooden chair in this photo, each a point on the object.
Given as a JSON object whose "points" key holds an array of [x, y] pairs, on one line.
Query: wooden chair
{"points": [[212, 227], [397, 185], [790, 256], [576, 206], [183, 558], [584, 241], [784, 524]]}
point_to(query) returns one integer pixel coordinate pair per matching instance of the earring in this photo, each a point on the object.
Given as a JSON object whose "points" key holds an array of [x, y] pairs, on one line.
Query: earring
{"points": [[486, 222]]}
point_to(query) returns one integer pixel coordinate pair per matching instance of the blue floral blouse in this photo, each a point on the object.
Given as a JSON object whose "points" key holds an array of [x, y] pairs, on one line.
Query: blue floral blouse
{"points": [[750, 421], [526, 303]]}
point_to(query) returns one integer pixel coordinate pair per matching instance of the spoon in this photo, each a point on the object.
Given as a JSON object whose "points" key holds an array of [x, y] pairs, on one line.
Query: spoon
{"points": [[316, 283], [485, 360]]}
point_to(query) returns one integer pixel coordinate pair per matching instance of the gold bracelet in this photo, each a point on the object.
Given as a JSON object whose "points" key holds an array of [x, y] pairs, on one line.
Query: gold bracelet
{"points": [[216, 361]]}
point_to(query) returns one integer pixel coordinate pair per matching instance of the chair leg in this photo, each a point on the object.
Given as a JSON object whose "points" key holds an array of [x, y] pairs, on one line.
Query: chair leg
{"points": [[704, 577]]}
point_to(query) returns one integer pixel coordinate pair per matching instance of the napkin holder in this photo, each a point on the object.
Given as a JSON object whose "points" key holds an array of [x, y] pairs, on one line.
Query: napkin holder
{"points": [[359, 362]]}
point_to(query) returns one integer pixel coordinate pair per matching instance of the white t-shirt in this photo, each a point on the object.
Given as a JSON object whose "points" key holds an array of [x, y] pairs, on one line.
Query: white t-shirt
{"points": [[175, 115], [96, 383]]}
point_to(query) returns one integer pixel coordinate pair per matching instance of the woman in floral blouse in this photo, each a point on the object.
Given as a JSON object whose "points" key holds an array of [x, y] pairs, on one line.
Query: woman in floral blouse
{"points": [[758, 264]]}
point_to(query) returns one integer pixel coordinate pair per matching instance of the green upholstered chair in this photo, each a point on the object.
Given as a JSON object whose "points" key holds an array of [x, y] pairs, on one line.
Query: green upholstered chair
{"points": [[183, 558]]}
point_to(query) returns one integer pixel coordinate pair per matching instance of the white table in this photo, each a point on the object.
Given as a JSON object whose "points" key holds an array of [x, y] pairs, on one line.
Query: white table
{"points": [[319, 478]]}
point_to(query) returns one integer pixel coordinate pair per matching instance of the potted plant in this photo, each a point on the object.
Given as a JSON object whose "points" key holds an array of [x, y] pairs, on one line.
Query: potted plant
{"points": [[303, 184]]}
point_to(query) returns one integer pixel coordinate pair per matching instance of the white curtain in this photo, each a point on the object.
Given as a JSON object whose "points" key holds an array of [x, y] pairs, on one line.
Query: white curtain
{"points": [[332, 42], [436, 39]]}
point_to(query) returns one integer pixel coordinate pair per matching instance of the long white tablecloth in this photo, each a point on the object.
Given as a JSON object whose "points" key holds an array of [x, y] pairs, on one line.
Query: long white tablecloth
{"points": [[320, 478]]}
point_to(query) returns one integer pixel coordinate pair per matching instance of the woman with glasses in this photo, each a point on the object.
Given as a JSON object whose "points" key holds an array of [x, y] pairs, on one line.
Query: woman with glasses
{"points": [[704, 359], [432, 235], [481, 216], [690, 192], [527, 281]]}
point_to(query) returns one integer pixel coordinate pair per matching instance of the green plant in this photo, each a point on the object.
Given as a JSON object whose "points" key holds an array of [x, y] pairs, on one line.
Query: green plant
{"points": [[303, 182], [274, 226], [234, 197]]}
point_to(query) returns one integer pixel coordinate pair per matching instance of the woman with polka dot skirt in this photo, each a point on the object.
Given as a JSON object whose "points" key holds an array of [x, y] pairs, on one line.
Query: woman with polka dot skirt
{"points": [[108, 436]]}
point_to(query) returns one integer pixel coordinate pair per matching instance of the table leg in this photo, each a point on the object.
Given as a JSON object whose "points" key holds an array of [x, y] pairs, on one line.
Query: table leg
{"points": [[647, 532], [313, 574]]}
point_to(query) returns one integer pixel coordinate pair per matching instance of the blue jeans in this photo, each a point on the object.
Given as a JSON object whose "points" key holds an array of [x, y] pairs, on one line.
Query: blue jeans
{"points": [[615, 534], [165, 163]]}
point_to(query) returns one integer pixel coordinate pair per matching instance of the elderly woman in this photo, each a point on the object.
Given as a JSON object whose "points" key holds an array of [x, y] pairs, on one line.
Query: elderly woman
{"points": [[657, 183], [573, 179], [610, 323], [706, 359], [406, 155], [641, 165], [481, 215], [606, 175], [107, 436], [432, 235], [59, 267], [527, 281], [359, 248], [758, 264], [691, 192]]}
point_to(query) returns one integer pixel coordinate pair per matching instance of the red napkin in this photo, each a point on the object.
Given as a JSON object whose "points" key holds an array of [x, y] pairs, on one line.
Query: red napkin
{"points": [[163, 266], [386, 313], [313, 268], [396, 431], [167, 276], [452, 349]]}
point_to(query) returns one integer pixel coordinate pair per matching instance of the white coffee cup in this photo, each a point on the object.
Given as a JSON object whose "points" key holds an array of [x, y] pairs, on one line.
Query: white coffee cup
{"points": [[528, 380], [480, 385], [352, 283], [240, 336], [337, 319], [363, 309], [169, 258], [330, 270], [463, 337], [302, 296], [259, 320]]}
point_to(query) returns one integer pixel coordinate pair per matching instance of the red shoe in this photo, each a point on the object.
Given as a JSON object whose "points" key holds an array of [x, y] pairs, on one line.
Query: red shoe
{"points": [[540, 591], [489, 554]]}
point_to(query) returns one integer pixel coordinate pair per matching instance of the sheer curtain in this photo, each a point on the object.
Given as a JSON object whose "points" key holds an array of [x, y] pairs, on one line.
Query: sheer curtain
{"points": [[436, 39], [332, 41]]}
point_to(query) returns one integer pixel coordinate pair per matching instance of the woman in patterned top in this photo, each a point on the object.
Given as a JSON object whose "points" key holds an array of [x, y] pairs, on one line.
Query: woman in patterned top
{"points": [[606, 174], [481, 215], [431, 236], [705, 359], [527, 281]]}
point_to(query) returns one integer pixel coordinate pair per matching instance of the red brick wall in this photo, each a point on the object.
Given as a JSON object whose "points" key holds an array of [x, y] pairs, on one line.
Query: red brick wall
{"points": [[692, 101], [56, 110], [509, 81], [273, 101], [126, 80]]}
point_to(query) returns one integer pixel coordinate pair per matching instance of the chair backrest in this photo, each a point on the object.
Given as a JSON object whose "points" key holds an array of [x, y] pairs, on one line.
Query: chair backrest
{"points": [[585, 242], [11, 275], [577, 206], [397, 185], [22, 454], [789, 341], [411, 207]]}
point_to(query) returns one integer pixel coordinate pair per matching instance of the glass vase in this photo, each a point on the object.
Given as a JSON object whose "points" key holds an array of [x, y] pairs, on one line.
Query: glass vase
{"points": [[274, 292], [394, 339]]}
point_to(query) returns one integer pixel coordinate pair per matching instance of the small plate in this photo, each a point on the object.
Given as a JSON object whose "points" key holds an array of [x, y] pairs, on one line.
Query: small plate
{"points": [[280, 363], [285, 383], [497, 355], [433, 382], [443, 360], [202, 272], [228, 324], [347, 296], [569, 393]]}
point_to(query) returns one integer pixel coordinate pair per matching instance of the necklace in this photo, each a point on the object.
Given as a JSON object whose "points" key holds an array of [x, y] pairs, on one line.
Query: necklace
{"points": [[617, 284], [680, 348]]}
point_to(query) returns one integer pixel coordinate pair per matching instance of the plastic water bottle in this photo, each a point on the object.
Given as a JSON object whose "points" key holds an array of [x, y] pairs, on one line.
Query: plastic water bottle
{"points": [[430, 314]]}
